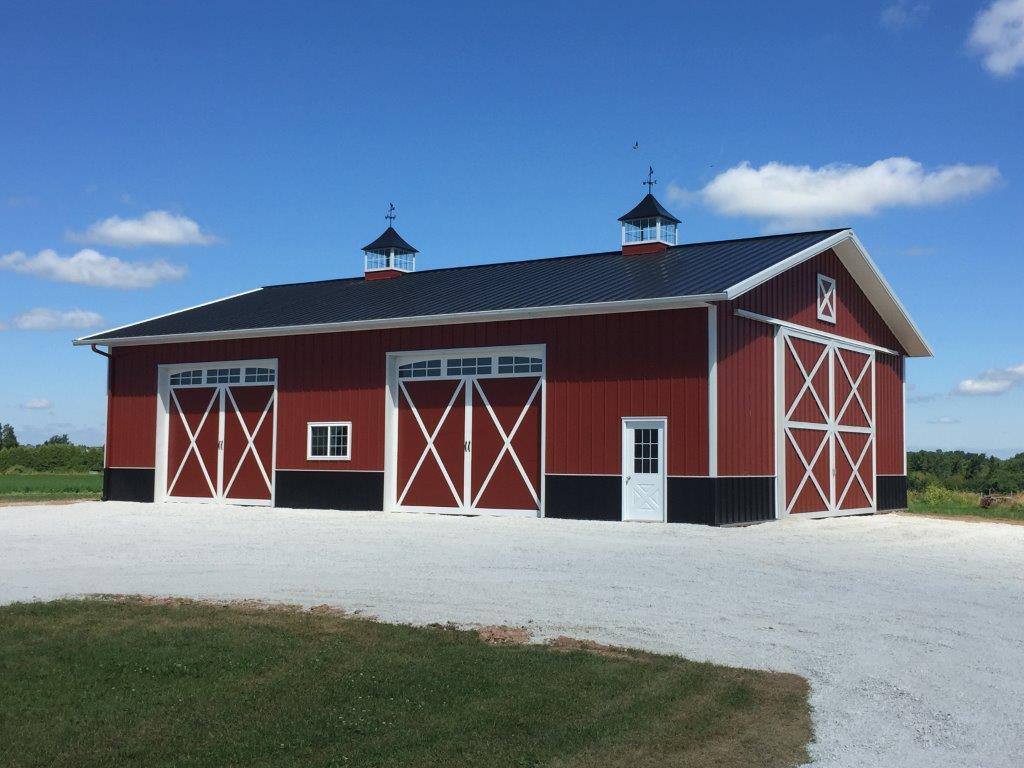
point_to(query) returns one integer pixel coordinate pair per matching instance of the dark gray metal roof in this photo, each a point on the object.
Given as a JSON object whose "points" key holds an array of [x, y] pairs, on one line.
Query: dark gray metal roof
{"points": [[696, 269], [648, 208]]}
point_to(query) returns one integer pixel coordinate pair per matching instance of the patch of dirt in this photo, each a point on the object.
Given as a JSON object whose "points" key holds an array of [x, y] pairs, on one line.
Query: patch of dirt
{"points": [[331, 610], [499, 635], [564, 643]]}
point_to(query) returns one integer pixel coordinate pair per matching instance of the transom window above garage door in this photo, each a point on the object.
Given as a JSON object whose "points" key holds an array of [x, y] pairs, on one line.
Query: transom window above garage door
{"points": [[198, 377], [488, 365]]}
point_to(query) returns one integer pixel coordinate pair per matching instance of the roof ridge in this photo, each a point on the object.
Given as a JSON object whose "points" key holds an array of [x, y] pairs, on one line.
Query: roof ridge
{"points": [[832, 230], [451, 268], [558, 258]]}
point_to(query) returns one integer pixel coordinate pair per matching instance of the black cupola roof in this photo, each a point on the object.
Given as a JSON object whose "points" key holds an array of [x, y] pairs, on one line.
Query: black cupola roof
{"points": [[649, 208], [390, 239]]}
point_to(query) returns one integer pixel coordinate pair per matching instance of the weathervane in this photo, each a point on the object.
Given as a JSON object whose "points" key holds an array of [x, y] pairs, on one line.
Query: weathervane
{"points": [[651, 181], [390, 215]]}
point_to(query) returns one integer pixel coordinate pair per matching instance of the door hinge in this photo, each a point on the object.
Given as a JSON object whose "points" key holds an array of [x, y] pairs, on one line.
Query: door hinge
{"points": [[220, 445], [469, 446]]}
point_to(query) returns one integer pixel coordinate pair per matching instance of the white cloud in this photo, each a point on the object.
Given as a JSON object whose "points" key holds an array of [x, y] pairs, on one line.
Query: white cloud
{"points": [[998, 35], [801, 195], [88, 267], [152, 228], [944, 420], [42, 319], [37, 404], [994, 381], [903, 14]]}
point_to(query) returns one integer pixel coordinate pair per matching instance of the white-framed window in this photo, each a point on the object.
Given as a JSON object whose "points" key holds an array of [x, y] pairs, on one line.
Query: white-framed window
{"points": [[260, 375], [329, 440], [186, 378], [640, 230], [223, 375], [468, 366], [420, 369], [516, 364], [826, 299]]}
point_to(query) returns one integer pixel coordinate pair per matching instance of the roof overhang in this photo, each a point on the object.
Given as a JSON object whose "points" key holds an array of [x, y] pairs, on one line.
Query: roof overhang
{"points": [[862, 268], [525, 313]]}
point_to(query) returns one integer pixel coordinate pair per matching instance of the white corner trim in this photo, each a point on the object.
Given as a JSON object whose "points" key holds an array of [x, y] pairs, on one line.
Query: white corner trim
{"points": [[526, 313], [712, 391]]}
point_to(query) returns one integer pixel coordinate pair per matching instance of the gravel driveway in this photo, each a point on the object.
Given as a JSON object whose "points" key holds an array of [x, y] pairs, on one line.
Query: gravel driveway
{"points": [[910, 630]]}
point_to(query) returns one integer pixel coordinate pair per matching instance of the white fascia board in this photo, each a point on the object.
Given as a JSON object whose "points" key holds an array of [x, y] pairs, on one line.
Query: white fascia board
{"points": [[855, 258], [497, 315], [88, 340], [744, 286], [881, 295]]}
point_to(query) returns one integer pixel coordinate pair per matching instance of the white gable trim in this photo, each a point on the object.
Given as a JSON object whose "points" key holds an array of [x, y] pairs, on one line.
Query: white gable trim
{"points": [[865, 273]]}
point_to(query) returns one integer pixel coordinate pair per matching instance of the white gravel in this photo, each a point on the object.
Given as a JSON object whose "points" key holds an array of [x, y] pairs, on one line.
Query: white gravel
{"points": [[910, 630]]}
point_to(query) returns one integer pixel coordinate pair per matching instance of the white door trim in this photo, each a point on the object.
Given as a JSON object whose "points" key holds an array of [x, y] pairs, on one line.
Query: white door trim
{"points": [[627, 458], [163, 413], [393, 392], [830, 354]]}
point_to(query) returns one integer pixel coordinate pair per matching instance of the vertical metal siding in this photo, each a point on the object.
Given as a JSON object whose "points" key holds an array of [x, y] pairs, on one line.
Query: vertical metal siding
{"points": [[889, 396], [600, 369], [792, 296], [746, 395]]}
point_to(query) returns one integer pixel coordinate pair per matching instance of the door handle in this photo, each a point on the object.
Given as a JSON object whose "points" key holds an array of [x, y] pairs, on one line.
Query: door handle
{"points": [[628, 478], [469, 446], [220, 445]]}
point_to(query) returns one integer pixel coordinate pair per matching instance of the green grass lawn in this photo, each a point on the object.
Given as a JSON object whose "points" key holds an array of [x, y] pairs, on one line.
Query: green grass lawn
{"points": [[42, 487], [177, 683]]}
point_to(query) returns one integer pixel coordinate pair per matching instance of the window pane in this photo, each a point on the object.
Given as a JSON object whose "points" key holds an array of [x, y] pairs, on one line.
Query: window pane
{"points": [[318, 441]]}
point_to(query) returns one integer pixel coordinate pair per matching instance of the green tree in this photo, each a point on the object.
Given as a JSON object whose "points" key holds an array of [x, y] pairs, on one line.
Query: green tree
{"points": [[7, 437], [58, 440]]}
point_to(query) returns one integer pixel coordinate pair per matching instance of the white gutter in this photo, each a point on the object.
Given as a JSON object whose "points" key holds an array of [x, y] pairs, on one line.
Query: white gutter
{"points": [[527, 313]]}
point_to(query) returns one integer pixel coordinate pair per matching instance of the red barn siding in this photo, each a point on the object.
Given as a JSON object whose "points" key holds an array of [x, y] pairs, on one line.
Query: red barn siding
{"points": [[792, 296], [889, 373], [746, 395], [746, 385], [599, 369]]}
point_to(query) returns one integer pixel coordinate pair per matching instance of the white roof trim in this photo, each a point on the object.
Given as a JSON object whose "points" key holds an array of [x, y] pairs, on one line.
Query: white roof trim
{"points": [[83, 342], [859, 264], [527, 313]]}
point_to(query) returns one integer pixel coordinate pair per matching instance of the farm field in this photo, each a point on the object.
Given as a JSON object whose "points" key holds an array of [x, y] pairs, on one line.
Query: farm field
{"points": [[32, 487], [172, 682]]}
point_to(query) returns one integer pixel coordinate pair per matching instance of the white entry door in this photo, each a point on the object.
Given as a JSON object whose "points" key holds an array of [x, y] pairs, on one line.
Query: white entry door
{"points": [[643, 469]]}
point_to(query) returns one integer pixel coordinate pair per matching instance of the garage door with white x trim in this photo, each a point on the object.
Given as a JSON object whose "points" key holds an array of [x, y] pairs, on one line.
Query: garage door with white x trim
{"points": [[467, 431], [220, 432], [827, 427]]}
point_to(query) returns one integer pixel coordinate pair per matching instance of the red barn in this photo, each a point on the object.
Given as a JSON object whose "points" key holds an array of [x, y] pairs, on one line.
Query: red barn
{"points": [[718, 383]]}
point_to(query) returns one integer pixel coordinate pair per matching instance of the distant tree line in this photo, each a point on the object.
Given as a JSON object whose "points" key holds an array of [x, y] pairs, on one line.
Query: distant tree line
{"points": [[963, 471], [57, 454]]}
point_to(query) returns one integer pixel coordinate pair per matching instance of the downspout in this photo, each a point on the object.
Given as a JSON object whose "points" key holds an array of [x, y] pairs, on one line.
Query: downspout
{"points": [[106, 437]]}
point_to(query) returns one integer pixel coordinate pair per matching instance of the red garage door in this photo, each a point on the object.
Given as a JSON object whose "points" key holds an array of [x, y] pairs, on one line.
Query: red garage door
{"points": [[469, 433], [827, 427], [220, 433]]}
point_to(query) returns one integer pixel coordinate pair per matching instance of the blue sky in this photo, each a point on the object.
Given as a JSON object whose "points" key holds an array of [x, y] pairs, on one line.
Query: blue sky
{"points": [[153, 156]]}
